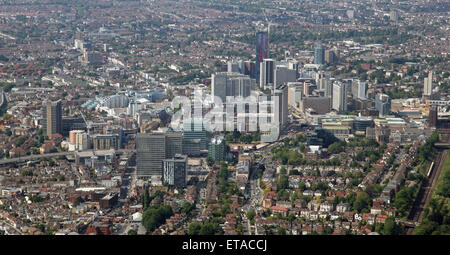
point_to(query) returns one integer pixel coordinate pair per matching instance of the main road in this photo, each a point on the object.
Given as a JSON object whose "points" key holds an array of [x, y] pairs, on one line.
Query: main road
{"points": [[47, 155]]}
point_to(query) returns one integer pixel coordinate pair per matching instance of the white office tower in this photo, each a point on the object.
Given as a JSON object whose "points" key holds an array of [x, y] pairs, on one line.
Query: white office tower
{"points": [[230, 84], [361, 89], [266, 78], [283, 75], [339, 97], [295, 95], [428, 84], [282, 94]]}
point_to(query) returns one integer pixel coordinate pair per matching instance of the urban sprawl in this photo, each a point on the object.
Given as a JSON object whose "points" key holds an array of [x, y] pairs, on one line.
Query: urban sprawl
{"points": [[230, 117]]}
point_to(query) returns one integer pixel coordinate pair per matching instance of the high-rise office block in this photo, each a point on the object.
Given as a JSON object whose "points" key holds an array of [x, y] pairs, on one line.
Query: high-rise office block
{"points": [[230, 84], [428, 84], [282, 94], [295, 90], [217, 149], [174, 171], [267, 76], [153, 148], [339, 97], [174, 144], [150, 152], [319, 54], [262, 50], [283, 74], [52, 115], [358, 89], [383, 104], [195, 129]]}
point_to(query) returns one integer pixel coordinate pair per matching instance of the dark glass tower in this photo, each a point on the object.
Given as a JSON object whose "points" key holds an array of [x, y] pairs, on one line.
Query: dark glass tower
{"points": [[262, 50], [319, 54]]}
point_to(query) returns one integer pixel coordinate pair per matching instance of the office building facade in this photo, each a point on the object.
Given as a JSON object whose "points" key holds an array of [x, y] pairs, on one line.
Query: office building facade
{"points": [[174, 171], [267, 76], [428, 84], [319, 54], [383, 104], [52, 115], [282, 94], [284, 74], [153, 148], [105, 142], [339, 97], [217, 149], [225, 85]]}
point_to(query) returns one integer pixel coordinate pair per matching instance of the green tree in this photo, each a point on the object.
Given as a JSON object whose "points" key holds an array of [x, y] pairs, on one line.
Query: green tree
{"points": [[281, 231], [363, 201], [251, 214], [132, 232], [390, 227], [283, 182], [155, 216], [194, 228]]}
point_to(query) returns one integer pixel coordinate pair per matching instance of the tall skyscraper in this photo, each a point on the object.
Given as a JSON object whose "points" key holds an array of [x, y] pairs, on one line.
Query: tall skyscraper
{"points": [[383, 104], [282, 94], [230, 84], [52, 115], [174, 170], [361, 89], [262, 50], [150, 152], [428, 84], [319, 54], [153, 148], [295, 91], [267, 76], [339, 97]]}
